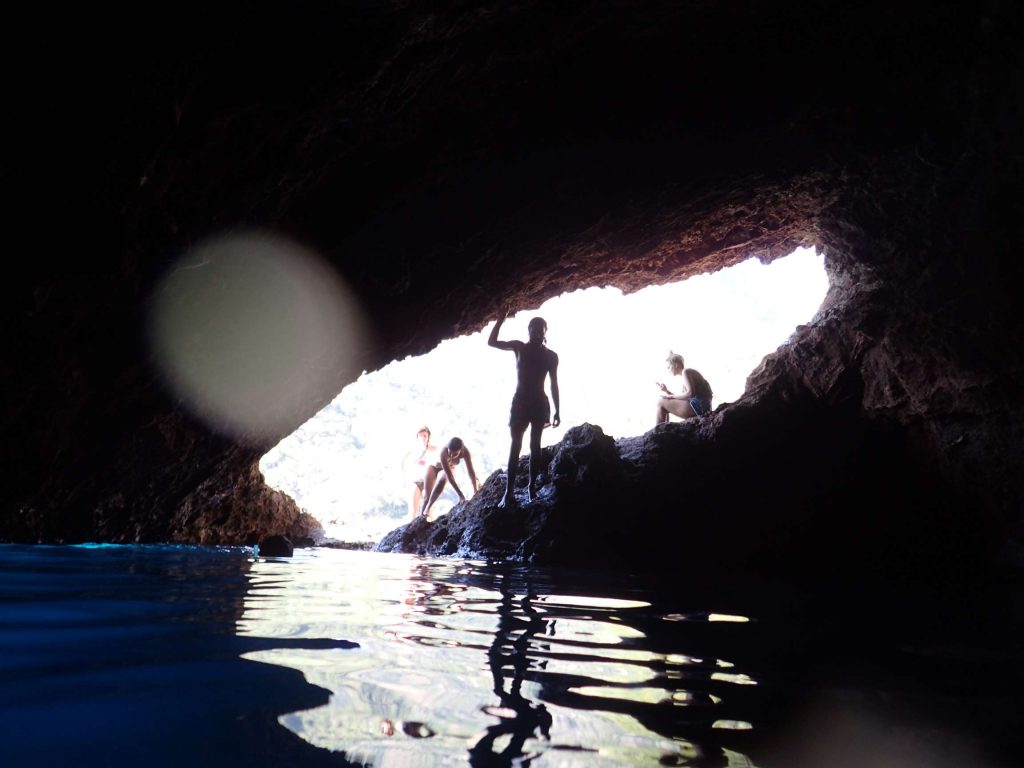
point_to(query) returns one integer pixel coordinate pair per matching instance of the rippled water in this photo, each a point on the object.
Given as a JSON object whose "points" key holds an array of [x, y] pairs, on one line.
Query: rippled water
{"points": [[171, 655]]}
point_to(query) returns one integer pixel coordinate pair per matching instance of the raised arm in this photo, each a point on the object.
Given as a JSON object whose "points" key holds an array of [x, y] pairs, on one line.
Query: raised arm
{"points": [[492, 340], [556, 419]]}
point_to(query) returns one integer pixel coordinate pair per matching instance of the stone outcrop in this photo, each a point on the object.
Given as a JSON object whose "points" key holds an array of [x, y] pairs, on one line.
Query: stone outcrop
{"points": [[276, 545], [450, 160]]}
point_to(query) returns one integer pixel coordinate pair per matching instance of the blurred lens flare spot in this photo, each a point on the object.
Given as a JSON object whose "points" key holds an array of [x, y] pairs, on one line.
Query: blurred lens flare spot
{"points": [[250, 331]]}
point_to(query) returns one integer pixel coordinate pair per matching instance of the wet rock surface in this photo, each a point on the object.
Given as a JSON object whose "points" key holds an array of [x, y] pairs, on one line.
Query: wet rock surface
{"points": [[276, 546], [448, 161], [775, 483]]}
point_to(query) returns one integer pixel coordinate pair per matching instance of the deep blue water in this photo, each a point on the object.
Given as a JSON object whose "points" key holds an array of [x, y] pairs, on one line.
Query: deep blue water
{"points": [[160, 655]]}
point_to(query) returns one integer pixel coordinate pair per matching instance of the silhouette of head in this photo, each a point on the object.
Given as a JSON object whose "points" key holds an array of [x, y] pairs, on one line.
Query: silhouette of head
{"points": [[455, 445], [538, 329], [675, 361], [424, 435]]}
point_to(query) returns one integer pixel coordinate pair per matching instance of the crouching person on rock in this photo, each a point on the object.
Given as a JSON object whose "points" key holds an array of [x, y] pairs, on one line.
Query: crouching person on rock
{"points": [[443, 470]]}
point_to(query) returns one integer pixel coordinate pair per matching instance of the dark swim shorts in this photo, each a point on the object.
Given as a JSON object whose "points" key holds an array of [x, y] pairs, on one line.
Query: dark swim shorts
{"points": [[701, 405], [529, 410]]}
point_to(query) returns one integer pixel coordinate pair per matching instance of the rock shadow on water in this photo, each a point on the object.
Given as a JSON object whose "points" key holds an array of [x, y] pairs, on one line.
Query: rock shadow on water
{"points": [[126, 656]]}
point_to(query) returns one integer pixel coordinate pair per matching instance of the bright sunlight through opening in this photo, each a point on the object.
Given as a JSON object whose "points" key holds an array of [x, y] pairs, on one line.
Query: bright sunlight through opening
{"points": [[345, 464]]}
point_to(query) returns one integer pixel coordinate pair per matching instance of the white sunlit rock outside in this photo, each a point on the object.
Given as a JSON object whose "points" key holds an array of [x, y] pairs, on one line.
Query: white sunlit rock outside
{"points": [[344, 464]]}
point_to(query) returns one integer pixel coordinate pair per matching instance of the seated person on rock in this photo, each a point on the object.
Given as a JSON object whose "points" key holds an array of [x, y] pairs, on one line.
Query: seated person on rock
{"points": [[694, 398], [443, 470]]}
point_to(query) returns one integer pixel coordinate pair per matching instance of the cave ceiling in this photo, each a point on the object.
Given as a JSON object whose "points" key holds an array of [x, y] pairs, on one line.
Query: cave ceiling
{"points": [[449, 160]]}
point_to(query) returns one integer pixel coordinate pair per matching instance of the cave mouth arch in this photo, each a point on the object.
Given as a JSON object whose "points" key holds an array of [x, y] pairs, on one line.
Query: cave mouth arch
{"points": [[344, 464]]}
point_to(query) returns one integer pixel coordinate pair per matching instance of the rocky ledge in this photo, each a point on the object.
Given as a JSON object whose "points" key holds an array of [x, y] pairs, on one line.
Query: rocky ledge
{"points": [[657, 502]]}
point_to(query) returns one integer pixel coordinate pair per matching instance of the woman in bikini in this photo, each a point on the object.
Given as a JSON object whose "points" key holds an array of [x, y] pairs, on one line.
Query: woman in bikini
{"points": [[414, 466]]}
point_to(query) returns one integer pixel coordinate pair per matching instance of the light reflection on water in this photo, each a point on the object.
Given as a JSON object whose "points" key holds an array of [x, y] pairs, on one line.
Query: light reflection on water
{"points": [[492, 663], [178, 656]]}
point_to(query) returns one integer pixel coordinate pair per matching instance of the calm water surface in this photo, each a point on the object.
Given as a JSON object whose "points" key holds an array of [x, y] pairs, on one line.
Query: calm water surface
{"points": [[168, 655]]}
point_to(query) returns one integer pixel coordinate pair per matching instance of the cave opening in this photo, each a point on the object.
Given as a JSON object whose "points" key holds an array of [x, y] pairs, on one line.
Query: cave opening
{"points": [[345, 464]]}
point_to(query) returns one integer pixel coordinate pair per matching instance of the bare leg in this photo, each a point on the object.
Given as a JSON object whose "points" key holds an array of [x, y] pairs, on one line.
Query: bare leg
{"points": [[661, 414], [429, 479], [509, 499], [680, 408], [536, 429], [415, 499], [435, 493]]}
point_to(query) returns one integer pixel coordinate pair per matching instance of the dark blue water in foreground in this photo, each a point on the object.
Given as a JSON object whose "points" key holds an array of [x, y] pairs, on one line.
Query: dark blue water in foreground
{"points": [[126, 656]]}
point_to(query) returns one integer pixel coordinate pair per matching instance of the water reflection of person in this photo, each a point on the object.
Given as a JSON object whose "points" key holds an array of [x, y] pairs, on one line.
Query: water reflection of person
{"points": [[413, 728], [426, 593], [414, 466], [510, 649]]}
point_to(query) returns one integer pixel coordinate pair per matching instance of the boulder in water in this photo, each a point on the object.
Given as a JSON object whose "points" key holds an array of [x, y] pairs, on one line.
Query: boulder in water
{"points": [[276, 546]]}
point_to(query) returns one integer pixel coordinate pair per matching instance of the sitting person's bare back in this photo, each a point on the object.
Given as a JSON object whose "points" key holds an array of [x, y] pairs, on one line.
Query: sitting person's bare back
{"points": [[695, 396]]}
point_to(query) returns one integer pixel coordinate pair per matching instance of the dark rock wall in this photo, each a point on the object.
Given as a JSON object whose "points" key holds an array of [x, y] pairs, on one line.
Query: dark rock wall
{"points": [[447, 161]]}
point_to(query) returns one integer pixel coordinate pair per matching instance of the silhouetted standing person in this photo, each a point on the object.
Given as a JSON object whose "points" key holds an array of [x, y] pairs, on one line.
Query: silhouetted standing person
{"points": [[530, 406]]}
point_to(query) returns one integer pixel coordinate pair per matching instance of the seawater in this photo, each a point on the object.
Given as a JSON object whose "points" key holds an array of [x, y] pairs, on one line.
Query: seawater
{"points": [[169, 655]]}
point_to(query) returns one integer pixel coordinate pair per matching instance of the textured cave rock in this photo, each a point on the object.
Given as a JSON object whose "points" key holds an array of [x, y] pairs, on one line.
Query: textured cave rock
{"points": [[450, 160]]}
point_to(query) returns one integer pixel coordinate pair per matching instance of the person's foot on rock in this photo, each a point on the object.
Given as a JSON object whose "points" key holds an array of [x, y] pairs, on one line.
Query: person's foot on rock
{"points": [[508, 501]]}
